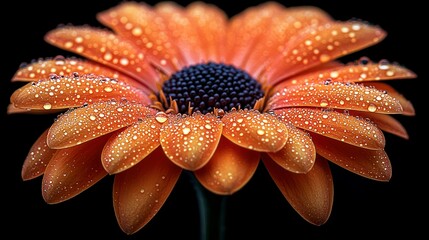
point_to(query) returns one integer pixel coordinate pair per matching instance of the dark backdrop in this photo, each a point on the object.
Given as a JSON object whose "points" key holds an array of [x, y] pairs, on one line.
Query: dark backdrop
{"points": [[362, 207]]}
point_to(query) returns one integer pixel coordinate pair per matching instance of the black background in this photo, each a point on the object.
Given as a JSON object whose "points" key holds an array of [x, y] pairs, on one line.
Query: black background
{"points": [[362, 207]]}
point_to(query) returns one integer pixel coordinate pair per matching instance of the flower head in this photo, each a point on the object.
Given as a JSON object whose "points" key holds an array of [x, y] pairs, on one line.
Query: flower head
{"points": [[168, 89]]}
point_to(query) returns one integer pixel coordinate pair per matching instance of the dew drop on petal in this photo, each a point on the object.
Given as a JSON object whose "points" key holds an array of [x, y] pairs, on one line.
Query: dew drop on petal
{"points": [[59, 60], [324, 58], [383, 64], [108, 89], [107, 56], [137, 31], [161, 117], [390, 73], [324, 103], [47, 106], [124, 61], [186, 131], [372, 108]]}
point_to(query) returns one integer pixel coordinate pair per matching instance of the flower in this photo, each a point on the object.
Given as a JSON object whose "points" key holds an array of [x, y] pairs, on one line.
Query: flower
{"points": [[169, 89]]}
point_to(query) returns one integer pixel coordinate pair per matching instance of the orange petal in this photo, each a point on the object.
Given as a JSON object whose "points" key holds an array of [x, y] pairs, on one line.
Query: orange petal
{"points": [[60, 92], [191, 141], [298, 155], [384, 122], [210, 22], [408, 108], [254, 130], [140, 192], [72, 171], [373, 164], [37, 159], [182, 32], [230, 168], [43, 68], [343, 127], [284, 24], [310, 194], [91, 121], [336, 95], [106, 48], [245, 29], [11, 109], [353, 72], [126, 148], [139, 23], [316, 45]]}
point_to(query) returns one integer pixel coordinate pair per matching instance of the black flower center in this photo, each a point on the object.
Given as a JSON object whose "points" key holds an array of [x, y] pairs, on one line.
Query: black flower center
{"points": [[209, 86]]}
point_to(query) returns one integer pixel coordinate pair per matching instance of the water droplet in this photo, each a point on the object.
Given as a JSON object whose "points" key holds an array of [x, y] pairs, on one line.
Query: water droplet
{"points": [[345, 29], [390, 73], [47, 106], [92, 117], [119, 109], [260, 132], [364, 60], [383, 64], [124, 61], [78, 39], [324, 58], [59, 60], [161, 117], [68, 44], [334, 74], [372, 108], [186, 131], [107, 56], [324, 103], [356, 27], [108, 89], [208, 126], [136, 31]]}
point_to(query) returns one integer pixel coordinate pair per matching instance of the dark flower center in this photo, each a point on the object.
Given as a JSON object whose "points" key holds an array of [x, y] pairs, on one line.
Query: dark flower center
{"points": [[208, 86]]}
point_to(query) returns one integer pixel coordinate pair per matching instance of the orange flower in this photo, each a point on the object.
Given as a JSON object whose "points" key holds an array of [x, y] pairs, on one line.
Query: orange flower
{"points": [[173, 88]]}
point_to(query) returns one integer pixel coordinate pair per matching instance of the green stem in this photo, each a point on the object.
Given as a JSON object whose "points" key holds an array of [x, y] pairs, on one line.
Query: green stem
{"points": [[212, 210]]}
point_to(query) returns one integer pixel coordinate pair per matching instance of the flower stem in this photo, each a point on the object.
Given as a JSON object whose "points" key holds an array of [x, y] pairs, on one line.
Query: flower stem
{"points": [[212, 210]]}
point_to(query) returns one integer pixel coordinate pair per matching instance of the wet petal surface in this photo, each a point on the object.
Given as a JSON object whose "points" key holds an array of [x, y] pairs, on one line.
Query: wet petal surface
{"points": [[190, 141], [140, 192], [88, 122], [60, 92], [230, 168], [106, 48], [336, 95], [342, 127], [37, 158], [298, 155], [310, 194], [352, 72], [72, 171], [126, 148], [61, 66], [321, 44], [373, 164], [139, 23], [254, 130], [276, 35]]}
